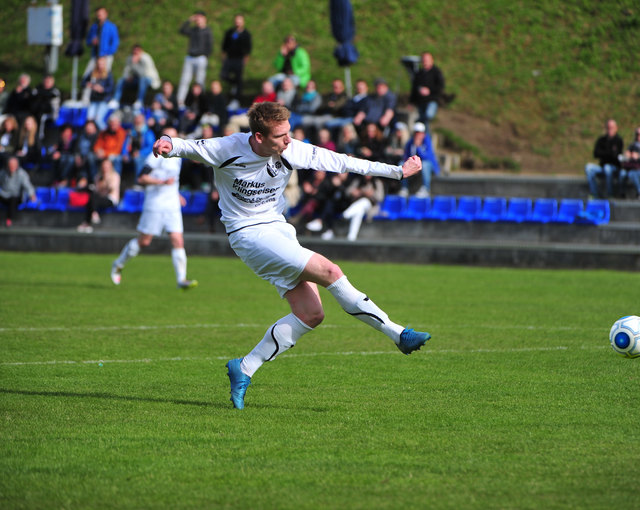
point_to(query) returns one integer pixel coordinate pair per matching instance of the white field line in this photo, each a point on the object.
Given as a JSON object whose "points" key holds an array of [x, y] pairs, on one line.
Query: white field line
{"points": [[301, 355]]}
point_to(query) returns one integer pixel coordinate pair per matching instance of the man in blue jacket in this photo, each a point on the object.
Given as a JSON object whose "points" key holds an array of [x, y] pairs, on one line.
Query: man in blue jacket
{"points": [[103, 39], [420, 145]]}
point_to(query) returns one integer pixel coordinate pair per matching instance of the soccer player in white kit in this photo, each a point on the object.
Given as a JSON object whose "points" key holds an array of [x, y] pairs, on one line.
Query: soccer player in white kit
{"points": [[251, 172], [161, 211]]}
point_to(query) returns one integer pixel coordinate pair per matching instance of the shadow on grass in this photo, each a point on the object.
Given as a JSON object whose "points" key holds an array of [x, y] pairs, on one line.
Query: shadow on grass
{"points": [[111, 396]]}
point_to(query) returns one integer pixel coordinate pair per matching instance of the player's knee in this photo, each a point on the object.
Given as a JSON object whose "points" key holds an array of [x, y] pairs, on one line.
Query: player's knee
{"points": [[312, 318], [333, 272], [144, 241]]}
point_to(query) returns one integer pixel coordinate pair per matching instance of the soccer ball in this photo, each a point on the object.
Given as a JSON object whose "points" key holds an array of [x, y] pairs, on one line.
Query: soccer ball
{"points": [[625, 336]]}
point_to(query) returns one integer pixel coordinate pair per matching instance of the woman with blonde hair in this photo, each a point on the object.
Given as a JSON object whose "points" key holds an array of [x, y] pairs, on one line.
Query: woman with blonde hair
{"points": [[28, 148]]}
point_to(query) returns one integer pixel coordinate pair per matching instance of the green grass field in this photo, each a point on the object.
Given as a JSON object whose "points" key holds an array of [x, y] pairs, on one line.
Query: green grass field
{"points": [[517, 401]]}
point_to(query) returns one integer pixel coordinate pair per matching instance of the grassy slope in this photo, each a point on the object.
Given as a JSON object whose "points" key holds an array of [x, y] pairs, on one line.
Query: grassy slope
{"points": [[517, 402], [549, 71]]}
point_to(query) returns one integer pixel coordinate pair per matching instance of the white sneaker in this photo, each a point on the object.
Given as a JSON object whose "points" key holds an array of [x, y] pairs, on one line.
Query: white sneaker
{"points": [[233, 105], [95, 218], [404, 192], [315, 225], [137, 105], [423, 192], [85, 228], [116, 275], [114, 104], [327, 235]]}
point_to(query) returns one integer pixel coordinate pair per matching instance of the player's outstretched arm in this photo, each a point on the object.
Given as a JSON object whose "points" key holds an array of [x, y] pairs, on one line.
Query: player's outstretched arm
{"points": [[162, 146], [411, 166]]}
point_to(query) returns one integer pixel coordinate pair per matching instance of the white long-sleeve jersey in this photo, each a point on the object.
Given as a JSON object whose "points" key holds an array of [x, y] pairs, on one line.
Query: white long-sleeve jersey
{"points": [[251, 187]]}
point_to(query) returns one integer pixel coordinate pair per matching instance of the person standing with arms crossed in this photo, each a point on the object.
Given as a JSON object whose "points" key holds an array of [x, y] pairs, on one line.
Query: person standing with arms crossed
{"points": [[252, 170], [197, 58], [161, 211], [236, 48]]}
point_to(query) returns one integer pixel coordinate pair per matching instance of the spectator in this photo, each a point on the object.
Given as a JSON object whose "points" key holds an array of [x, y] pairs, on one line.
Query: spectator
{"points": [[607, 149], [196, 175], [64, 156], [103, 39], [348, 141], [158, 118], [236, 48], [139, 73], [372, 143], [287, 93], [47, 101], [325, 141], [21, 99], [196, 106], [98, 88], [426, 89], [378, 108], [328, 209], [85, 156], [104, 193], [198, 51], [292, 61], [420, 145], [167, 98], [631, 162], [365, 193], [9, 134], [110, 143], [14, 185], [350, 108], [4, 96], [139, 143], [240, 121], [216, 111], [310, 100], [394, 150], [28, 149], [334, 102]]}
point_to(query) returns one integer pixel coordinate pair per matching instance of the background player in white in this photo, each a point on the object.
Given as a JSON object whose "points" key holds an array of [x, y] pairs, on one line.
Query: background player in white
{"points": [[161, 211], [251, 171]]}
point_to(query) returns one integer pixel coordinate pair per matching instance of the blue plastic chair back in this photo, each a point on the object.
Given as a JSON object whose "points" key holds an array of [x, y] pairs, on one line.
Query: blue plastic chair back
{"points": [[568, 210], [596, 212], [544, 210], [197, 204], [518, 210], [442, 208], [132, 201], [391, 208], [468, 208], [492, 209], [417, 208]]}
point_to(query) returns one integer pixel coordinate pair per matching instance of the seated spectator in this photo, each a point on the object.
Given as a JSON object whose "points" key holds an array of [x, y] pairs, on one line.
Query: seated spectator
{"points": [[104, 193], [378, 108], [64, 156], [420, 145], [607, 149], [21, 99], [9, 134], [98, 88], [216, 113], [139, 74], [315, 191], [394, 150], [47, 101], [347, 112], [14, 186], [139, 143], [240, 121], [329, 209], [4, 96], [348, 141], [334, 102], [167, 99], [158, 118], [292, 61], [287, 93], [110, 143], [325, 141], [85, 156], [372, 143], [196, 175], [631, 162], [426, 89], [196, 105], [309, 101], [28, 149], [365, 193]]}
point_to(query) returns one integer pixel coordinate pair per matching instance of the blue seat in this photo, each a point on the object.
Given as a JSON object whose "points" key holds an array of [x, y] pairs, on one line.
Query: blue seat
{"points": [[518, 210], [57, 201], [197, 204], [468, 208], [442, 207], [43, 195], [544, 210], [131, 202], [596, 212], [568, 210], [417, 208], [492, 209], [391, 208]]}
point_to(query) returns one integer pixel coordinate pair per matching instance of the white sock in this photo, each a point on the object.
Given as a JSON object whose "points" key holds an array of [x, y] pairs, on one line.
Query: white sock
{"points": [[279, 337], [131, 249], [361, 307], [179, 259]]}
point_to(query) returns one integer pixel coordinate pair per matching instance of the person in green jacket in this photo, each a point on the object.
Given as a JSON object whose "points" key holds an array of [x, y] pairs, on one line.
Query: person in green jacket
{"points": [[293, 62]]}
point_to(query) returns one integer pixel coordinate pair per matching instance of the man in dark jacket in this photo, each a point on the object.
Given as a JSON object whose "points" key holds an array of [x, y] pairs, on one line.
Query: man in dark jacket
{"points": [[426, 89], [236, 48], [607, 149], [197, 58]]}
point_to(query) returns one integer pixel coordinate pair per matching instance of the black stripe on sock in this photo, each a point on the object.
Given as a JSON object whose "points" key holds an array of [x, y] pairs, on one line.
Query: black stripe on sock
{"points": [[275, 342]]}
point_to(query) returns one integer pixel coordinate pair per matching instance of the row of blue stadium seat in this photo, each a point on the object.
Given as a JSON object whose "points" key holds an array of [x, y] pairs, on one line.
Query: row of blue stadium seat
{"points": [[52, 199], [495, 209]]}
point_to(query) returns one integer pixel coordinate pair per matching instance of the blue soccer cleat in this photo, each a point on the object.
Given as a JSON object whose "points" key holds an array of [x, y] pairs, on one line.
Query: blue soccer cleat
{"points": [[239, 382], [411, 340]]}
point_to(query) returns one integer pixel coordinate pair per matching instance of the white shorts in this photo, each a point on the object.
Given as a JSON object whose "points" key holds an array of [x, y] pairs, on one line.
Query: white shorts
{"points": [[154, 222], [273, 252]]}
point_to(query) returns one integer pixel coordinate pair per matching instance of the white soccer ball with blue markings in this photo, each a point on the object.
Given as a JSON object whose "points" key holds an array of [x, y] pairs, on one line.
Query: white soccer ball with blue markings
{"points": [[625, 336]]}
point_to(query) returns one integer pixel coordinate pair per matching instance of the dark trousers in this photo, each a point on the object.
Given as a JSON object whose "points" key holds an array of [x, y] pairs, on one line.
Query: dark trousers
{"points": [[96, 202], [232, 70], [12, 204]]}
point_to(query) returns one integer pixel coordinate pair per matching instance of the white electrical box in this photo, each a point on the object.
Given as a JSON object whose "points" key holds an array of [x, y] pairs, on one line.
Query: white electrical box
{"points": [[44, 25]]}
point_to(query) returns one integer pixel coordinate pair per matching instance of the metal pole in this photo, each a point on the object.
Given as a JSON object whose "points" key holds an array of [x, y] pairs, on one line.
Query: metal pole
{"points": [[74, 79]]}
